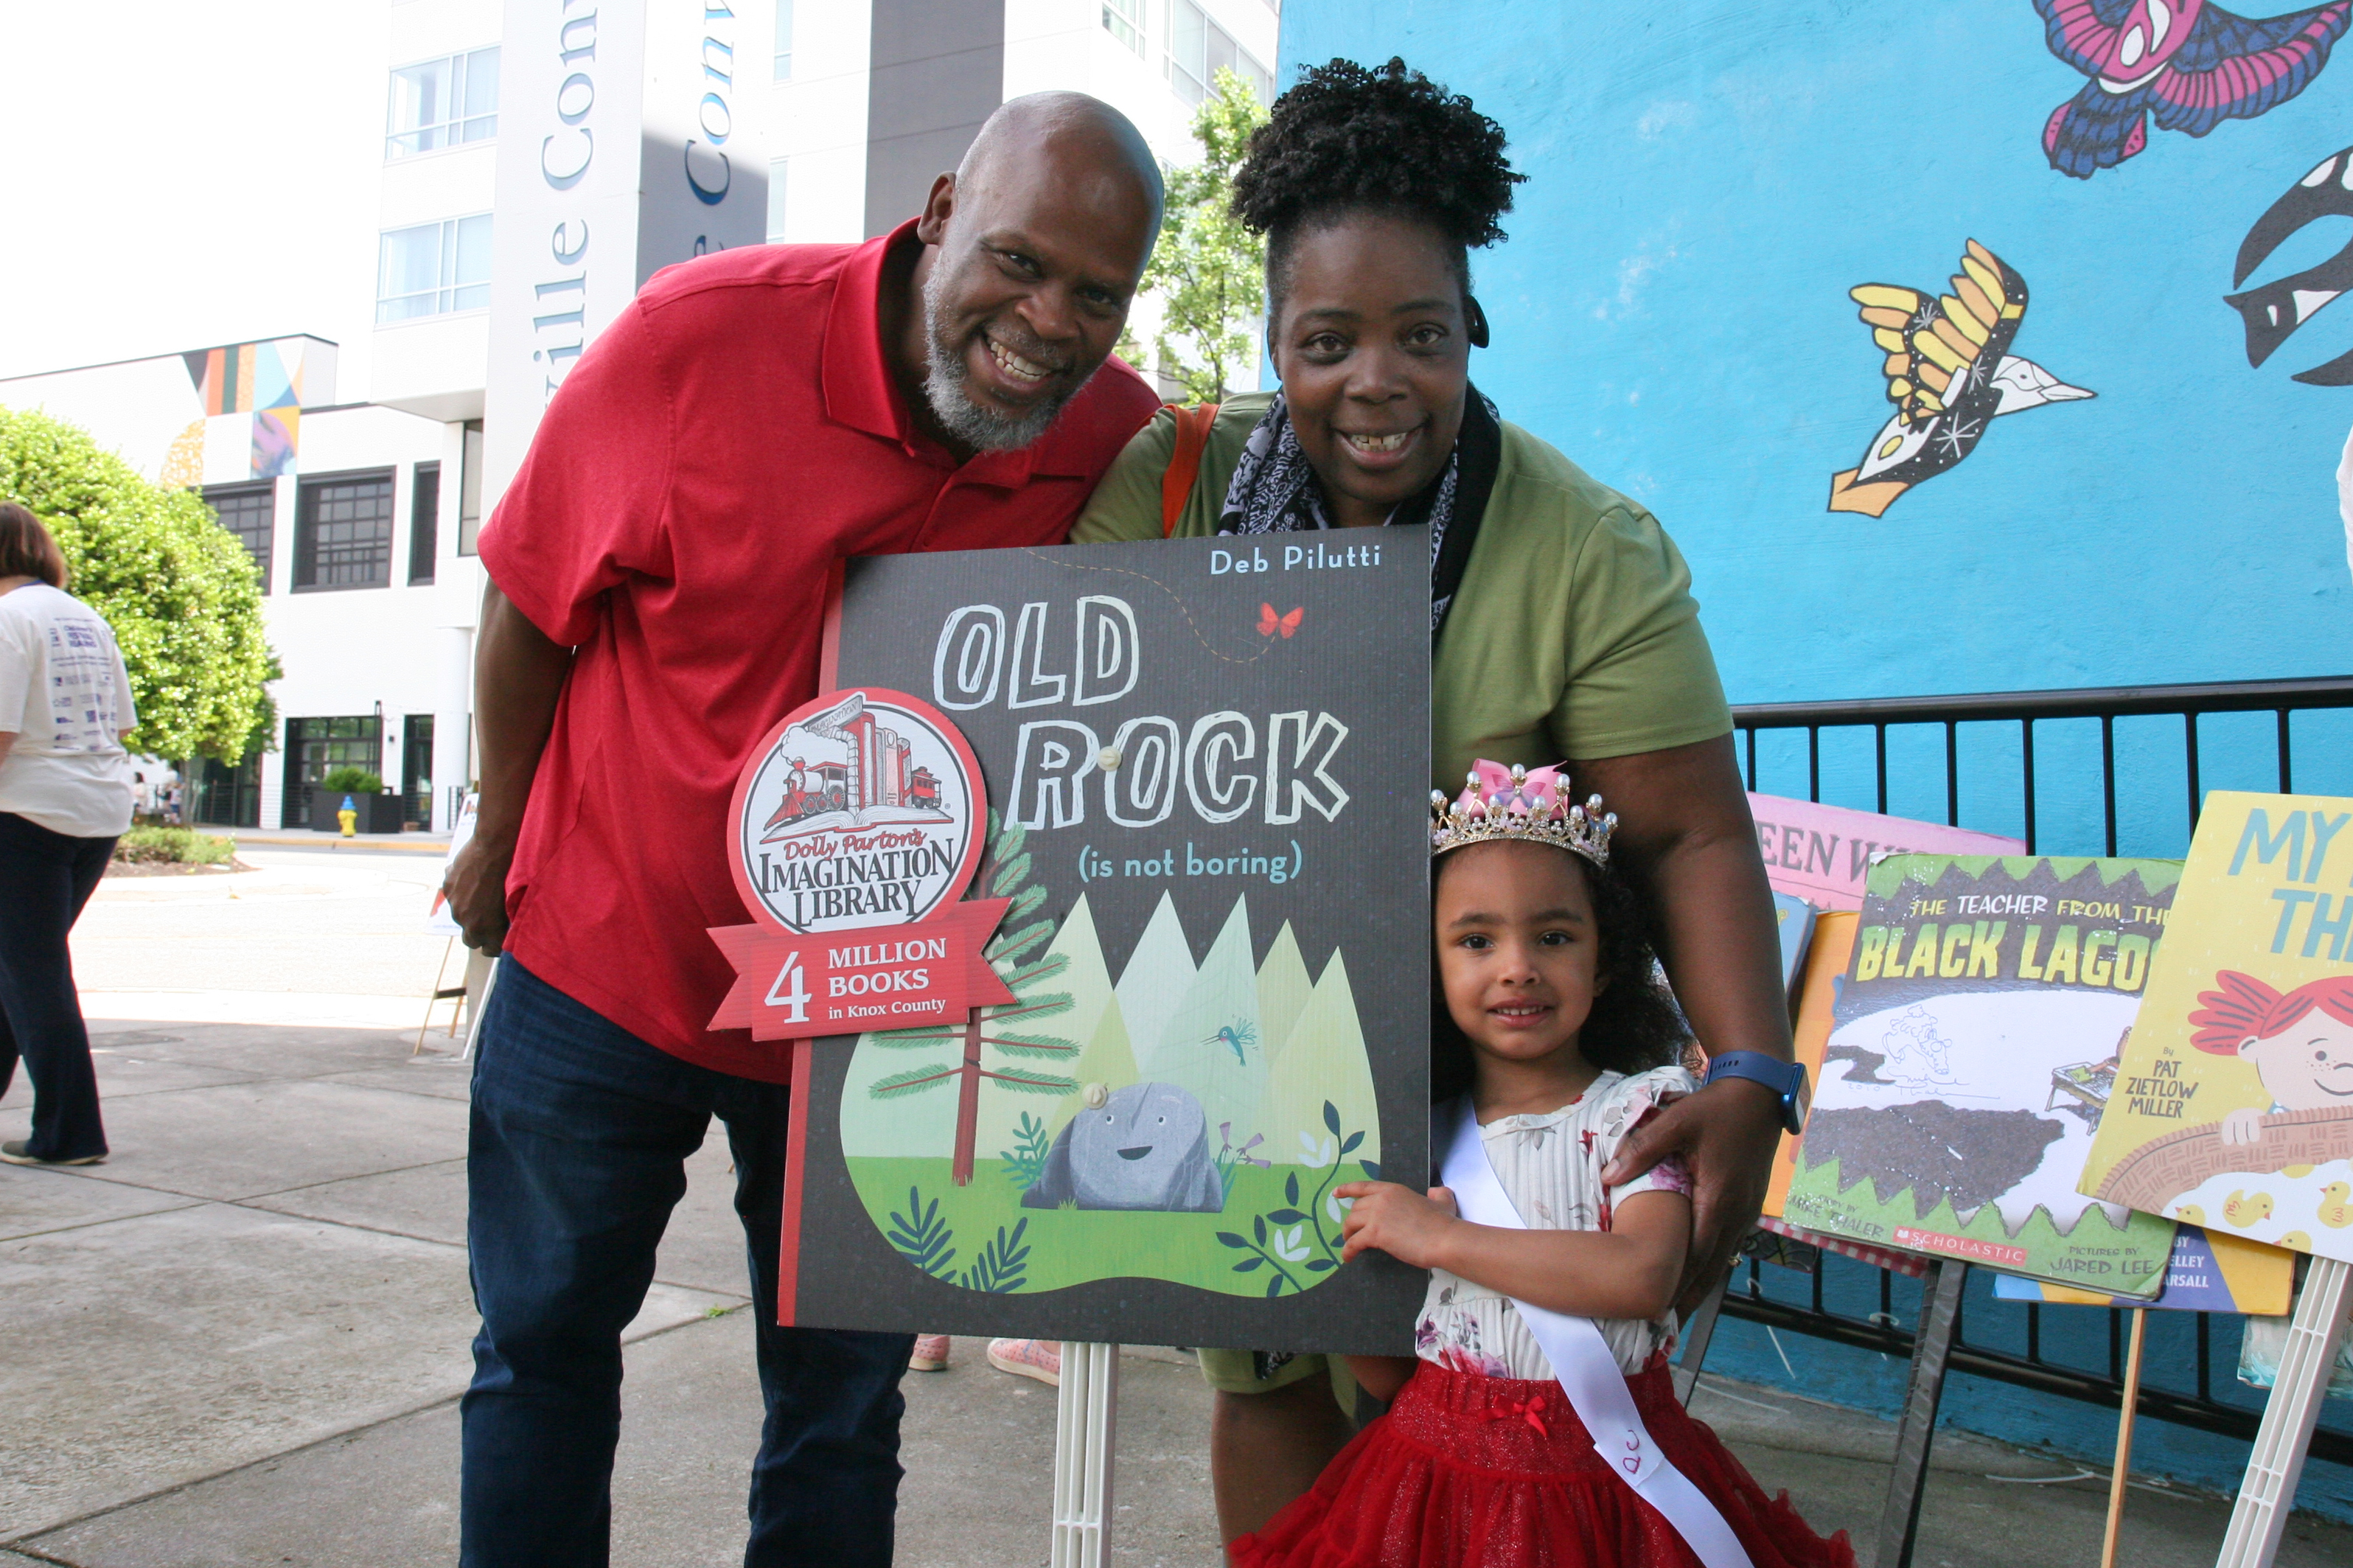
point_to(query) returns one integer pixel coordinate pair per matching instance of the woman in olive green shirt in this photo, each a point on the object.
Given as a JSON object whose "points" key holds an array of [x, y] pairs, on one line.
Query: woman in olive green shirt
{"points": [[1562, 613]]}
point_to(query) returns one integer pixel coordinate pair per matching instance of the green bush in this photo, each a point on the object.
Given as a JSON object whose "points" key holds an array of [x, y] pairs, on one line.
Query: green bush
{"points": [[352, 779], [178, 589], [146, 846]]}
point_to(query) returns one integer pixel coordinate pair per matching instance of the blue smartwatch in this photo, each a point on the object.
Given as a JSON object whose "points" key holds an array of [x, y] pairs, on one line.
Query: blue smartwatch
{"points": [[1786, 1080]]}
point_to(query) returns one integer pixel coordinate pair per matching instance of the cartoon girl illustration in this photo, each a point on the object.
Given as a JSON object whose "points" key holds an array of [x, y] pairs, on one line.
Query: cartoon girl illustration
{"points": [[2300, 1043]]}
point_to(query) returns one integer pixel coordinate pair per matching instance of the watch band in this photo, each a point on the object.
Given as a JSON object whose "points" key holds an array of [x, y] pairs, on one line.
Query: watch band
{"points": [[1786, 1080]]}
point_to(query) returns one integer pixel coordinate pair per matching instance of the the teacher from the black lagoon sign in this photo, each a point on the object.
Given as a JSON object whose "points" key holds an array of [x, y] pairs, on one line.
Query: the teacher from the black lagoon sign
{"points": [[659, 569], [1563, 613]]}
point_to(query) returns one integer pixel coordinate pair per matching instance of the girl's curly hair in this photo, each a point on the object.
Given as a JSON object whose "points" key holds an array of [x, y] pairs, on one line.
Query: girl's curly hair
{"points": [[1634, 1024], [1347, 139]]}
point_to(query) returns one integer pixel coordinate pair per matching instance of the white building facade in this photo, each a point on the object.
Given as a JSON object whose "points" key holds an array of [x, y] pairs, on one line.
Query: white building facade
{"points": [[540, 159]]}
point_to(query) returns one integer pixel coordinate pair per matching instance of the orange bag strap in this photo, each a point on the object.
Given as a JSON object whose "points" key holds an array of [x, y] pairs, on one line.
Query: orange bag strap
{"points": [[1185, 463]]}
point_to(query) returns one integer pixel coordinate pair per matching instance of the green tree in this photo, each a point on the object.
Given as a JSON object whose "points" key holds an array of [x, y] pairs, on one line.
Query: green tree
{"points": [[1207, 270], [178, 589], [1005, 873]]}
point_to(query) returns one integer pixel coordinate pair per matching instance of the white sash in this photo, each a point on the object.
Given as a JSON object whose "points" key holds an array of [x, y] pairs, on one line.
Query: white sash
{"points": [[1587, 1370]]}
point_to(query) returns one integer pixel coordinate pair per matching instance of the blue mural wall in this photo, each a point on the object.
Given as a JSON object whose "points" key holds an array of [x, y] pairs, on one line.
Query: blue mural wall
{"points": [[1711, 181]]}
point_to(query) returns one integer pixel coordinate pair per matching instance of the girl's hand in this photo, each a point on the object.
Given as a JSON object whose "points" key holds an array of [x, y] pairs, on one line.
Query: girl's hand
{"points": [[1397, 1220]]}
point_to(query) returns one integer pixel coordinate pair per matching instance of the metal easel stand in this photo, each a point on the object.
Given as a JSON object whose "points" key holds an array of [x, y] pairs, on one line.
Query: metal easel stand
{"points": [[1086, 1423], [1932, 1349], [2276, 1463], [1696, 1333]]}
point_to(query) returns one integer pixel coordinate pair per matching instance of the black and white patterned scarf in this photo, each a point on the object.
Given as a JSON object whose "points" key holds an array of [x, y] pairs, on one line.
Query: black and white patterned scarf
{"points": [[1274, 492]]}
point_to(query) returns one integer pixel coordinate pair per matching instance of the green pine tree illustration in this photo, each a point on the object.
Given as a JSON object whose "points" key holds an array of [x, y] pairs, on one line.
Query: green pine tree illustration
{"points": [[1006, 1030]]}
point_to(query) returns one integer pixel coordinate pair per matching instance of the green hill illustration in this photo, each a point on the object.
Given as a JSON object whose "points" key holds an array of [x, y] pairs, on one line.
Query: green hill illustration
{"points": [[1180, 1123]]}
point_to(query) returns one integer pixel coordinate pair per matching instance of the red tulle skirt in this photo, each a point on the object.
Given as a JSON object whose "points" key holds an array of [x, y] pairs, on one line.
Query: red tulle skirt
{"points": [[1482, 1473]]}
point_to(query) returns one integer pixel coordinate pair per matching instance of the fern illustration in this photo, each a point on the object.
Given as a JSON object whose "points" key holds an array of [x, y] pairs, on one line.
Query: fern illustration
{"points": [[1026, 1161], [922, 1238], [998, 1268]]}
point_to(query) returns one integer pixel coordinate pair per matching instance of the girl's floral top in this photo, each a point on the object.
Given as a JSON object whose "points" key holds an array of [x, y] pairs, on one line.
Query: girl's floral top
{"points": [[1550, 1167]]}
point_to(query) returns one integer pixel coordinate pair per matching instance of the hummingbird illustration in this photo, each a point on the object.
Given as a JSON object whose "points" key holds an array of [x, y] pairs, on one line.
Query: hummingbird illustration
{"points": [[1235, 1036]]}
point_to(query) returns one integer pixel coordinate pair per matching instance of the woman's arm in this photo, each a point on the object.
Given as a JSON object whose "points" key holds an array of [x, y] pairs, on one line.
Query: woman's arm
{"points": [[1631, 1270], [1687, 843]]}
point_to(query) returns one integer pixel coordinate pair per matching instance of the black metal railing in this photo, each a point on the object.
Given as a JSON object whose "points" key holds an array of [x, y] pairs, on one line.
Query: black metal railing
{"points": [[2015, 1352]]}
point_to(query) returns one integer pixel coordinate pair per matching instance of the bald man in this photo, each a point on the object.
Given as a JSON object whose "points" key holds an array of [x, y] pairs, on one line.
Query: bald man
{"points": [[658, 574]]}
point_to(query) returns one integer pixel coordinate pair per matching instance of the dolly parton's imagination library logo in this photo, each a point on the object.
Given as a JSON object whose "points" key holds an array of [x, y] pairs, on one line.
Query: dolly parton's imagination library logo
{"points": [[852, 837]]}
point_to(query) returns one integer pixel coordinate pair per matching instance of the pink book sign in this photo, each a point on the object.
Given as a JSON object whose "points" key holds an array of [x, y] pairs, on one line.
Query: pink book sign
{"points": [[1823, 853]]}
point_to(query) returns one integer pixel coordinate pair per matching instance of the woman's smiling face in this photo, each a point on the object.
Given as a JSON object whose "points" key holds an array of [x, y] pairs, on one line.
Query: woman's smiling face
{"points": [[1375, 359]]}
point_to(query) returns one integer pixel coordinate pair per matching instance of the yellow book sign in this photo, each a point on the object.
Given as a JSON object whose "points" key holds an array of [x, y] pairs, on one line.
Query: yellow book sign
{"points": [[2233, 1106]]}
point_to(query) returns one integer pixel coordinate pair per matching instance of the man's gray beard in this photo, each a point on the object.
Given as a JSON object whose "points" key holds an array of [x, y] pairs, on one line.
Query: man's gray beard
{"points": [[975, 424]]}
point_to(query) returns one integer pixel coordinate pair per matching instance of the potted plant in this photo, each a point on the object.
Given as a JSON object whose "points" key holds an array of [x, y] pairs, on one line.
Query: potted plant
{"points": [[378, 812]]}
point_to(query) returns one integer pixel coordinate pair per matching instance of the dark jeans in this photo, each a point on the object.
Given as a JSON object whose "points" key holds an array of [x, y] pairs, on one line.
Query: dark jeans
{"points": [[45, 880], [580, 1132]]}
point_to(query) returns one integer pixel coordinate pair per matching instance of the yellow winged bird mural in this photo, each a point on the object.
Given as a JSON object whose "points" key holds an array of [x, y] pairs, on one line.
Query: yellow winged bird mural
{"points": [[1949, 373]]}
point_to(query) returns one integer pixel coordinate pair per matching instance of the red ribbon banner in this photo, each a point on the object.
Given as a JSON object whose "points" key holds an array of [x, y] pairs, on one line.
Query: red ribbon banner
{"points": [[792, 987]]}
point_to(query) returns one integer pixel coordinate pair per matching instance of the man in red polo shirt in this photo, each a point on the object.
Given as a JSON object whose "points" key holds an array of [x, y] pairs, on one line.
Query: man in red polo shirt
{"points": [[659, 569]]}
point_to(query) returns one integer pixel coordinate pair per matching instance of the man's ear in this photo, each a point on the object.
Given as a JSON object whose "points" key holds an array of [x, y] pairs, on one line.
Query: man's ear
{"points": [[1474, 321], [938, 207]]}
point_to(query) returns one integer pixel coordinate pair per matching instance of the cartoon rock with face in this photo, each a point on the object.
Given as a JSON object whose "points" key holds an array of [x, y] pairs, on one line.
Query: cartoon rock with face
{"points": [[1143, 1147], [2301, 1043]]}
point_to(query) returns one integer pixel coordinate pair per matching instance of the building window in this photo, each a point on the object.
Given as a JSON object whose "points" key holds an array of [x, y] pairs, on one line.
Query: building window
{"points": [[313, 746], [776, 200], [469, 488], [1123, 20], [443, 103], [1198, 46], [424, 523], [343, 533], [416, 770], [433, 268], [783, 41], [248, 511], [225, 795]]}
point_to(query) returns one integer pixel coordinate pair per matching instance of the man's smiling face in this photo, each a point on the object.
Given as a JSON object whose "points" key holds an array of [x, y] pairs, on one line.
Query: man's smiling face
{"points": [[2308, 1066], [1038, 262]]}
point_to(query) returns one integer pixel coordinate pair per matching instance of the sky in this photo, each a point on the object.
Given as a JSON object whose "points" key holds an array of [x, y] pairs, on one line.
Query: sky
{"points": [[189, 174]]}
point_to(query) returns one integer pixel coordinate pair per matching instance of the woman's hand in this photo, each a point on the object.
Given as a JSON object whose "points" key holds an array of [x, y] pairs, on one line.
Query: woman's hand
{"points": [[1397, 1220], [1726, 1134]]}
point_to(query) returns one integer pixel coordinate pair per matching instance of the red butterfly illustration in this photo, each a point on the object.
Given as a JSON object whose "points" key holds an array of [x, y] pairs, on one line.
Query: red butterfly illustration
{"points": [[1269, 623]]}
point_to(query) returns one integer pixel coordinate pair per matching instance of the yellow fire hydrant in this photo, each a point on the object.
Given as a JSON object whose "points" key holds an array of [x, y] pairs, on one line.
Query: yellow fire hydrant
{"points": [[349, 816]]}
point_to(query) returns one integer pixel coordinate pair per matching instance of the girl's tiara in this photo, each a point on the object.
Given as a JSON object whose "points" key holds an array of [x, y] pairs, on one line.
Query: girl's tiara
{"points": [[1522, 804]]}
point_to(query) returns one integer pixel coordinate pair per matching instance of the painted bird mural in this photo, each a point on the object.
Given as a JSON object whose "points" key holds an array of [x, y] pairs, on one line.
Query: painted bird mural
{"points": [[2190, 64], [2273, 311], [1949, 373]]}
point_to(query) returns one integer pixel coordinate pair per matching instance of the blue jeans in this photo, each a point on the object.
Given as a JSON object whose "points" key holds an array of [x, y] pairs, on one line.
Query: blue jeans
{"points": [[46, 877], [580, 1135]]}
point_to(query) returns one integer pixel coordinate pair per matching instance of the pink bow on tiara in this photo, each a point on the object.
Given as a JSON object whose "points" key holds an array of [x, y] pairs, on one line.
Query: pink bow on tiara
{"points": [[1538, 790]]}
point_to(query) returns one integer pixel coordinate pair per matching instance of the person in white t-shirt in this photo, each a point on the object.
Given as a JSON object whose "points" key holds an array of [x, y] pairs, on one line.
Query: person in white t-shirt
{"points": [[64, 798]]}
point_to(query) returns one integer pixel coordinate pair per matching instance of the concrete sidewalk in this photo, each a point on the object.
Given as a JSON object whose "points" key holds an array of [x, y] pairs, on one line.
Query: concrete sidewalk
{"points": [[240, 1341]]}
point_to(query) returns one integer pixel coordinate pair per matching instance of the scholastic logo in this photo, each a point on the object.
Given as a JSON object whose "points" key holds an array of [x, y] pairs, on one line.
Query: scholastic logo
{"points": [[858, 811]]}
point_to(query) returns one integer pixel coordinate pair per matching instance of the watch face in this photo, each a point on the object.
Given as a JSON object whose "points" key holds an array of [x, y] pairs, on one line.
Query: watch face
{"points": [[1800, 1101]]}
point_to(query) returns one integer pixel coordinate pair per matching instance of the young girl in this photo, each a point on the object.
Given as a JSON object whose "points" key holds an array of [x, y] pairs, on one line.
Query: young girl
{"points": [[1552, 1024]]}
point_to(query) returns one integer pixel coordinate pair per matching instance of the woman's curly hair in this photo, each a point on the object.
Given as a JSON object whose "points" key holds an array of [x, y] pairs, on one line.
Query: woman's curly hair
{"points": [[1347, 139], [1634, 1024]]}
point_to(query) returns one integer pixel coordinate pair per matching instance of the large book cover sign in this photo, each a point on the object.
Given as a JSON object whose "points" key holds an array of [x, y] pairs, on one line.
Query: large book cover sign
{"points": [[1207, 777], [2234, 1105], [1973, 1048]]}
